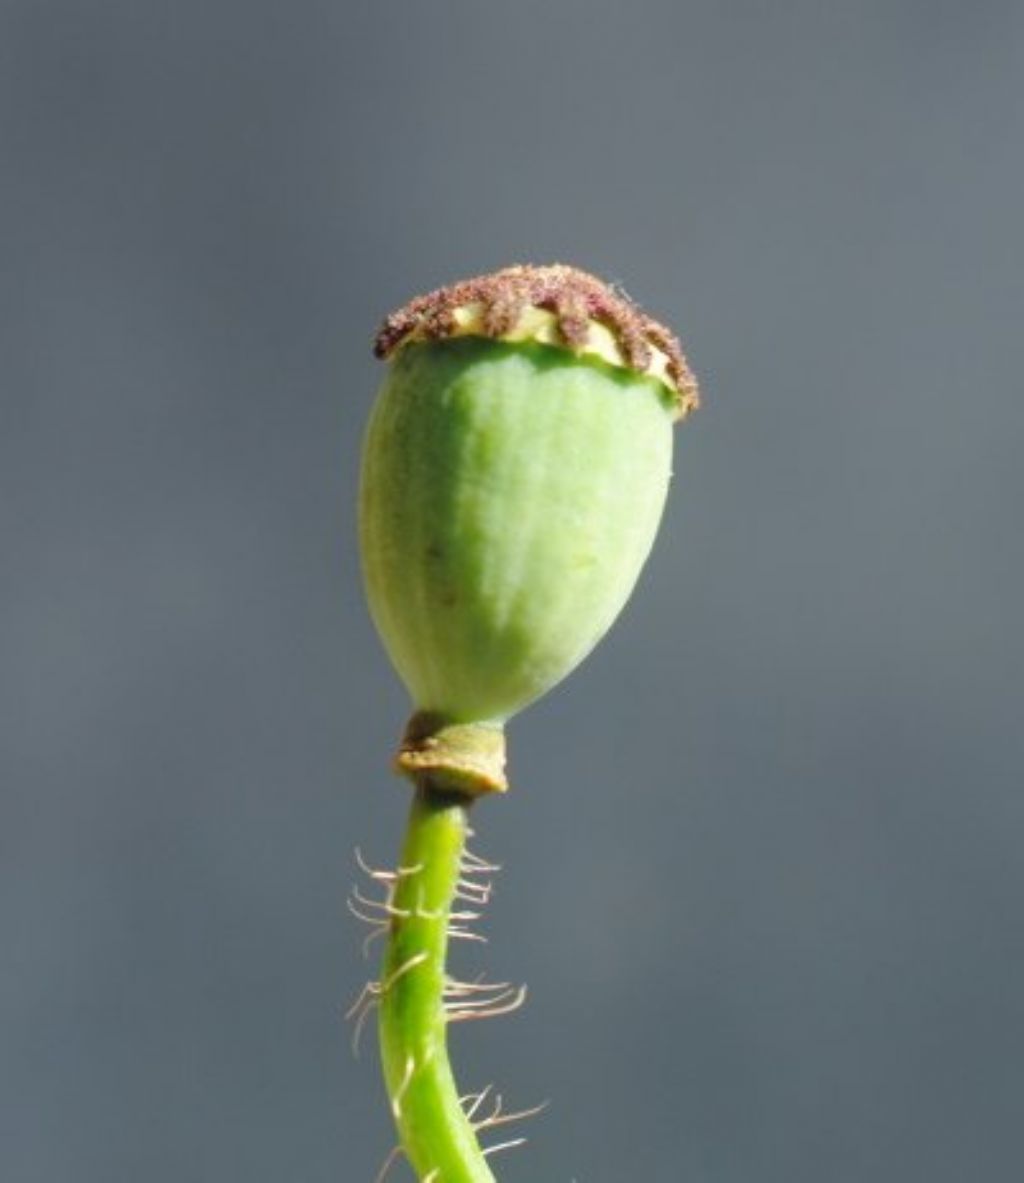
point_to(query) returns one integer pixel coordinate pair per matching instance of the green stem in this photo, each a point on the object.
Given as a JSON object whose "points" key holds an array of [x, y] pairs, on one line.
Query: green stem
{"points": [[435, 1133]]}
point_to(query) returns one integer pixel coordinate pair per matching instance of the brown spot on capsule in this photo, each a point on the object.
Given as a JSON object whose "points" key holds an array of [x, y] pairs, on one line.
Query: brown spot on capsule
{"points": [[574, 297]]}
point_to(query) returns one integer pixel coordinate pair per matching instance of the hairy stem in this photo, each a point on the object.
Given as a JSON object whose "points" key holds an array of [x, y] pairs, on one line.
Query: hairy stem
{"points": [[436, 1134]]}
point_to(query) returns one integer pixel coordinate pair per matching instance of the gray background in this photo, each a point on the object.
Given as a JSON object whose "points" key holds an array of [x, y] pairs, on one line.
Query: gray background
{"points": [[765, 852]]}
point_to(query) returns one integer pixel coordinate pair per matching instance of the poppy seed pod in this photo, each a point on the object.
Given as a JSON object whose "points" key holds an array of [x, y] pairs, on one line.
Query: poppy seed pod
{"points": [[515, 469]]}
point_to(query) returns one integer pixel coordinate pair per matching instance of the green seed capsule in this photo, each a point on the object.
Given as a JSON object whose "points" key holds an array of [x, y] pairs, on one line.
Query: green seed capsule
{"points": [[515, 471]]}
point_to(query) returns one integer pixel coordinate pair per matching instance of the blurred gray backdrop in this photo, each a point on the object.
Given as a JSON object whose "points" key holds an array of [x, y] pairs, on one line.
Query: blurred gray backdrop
{"points": [[765, 851]]}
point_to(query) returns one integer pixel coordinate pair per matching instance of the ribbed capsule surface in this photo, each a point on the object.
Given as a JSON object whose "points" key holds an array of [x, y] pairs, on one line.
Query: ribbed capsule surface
{"points": [[510, 495]]}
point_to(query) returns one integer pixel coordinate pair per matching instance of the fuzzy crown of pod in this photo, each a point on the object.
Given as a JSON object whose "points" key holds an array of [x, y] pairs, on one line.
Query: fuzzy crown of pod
{"points": [[515, 470]]}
